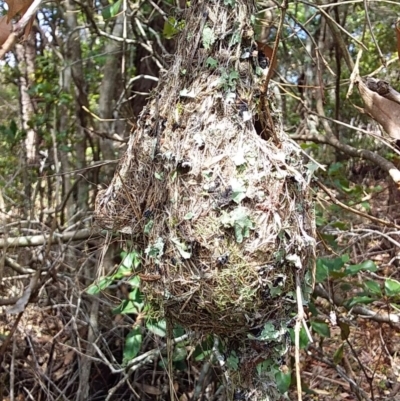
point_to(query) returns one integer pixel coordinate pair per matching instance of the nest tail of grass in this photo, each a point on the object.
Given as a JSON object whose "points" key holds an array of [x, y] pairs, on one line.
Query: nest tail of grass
{"points": [[221, 214]]}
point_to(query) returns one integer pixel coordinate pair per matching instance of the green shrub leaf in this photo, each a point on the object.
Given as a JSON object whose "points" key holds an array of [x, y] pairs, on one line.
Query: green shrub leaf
{"points": [[158, 327], [321, 328], [392, 287], [111, 10], [283, 381], [368, 265], [373, 287], [133, 342], [101, 285], [338, 355]]}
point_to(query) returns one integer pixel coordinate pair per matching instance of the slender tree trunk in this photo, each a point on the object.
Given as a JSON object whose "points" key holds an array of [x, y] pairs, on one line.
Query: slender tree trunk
{"points": [[26, 54], [74, 58], [108, 87]]}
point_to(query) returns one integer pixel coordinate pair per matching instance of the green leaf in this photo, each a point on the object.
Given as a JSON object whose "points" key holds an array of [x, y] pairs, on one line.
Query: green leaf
{"points": [[172, 27], [133, 342], [182, 248], [304, 340], [368, 265], [326, 267], [159, 176], [189, 216], [101, 285], [208, 37], [178, 331], [158, 327], [373, 287], [392, 287], [131, 260], [112, 10], [283, 381], [242, 224], [149, 225], [229, 2], [321, 328], [232, 361], [155, 250], [338, 355], [127, 306], [239, 220], [211, 62], [238, 191], [179, 354], [203, 350], [359, 300], [269, 332], [134, 281]]}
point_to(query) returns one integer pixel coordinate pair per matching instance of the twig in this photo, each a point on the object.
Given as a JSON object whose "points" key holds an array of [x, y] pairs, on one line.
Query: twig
{"points": [[19, 27], [355, 211], [36, 240], [340, 371]]}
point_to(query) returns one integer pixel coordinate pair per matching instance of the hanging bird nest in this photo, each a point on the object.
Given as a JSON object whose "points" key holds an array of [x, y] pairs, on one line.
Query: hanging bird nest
{"points": [[221, 213]]}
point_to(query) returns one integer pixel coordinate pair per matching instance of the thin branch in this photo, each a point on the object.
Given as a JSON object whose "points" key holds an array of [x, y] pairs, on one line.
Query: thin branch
{"points": [[355, 211], [36, 240]]}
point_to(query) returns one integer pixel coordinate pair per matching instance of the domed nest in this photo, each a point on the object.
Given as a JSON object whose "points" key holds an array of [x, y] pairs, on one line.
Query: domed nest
{"points": [[221, 214]]}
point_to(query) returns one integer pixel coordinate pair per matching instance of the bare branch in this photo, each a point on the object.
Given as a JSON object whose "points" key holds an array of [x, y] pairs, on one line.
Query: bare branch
{"points": [[36, 240]]}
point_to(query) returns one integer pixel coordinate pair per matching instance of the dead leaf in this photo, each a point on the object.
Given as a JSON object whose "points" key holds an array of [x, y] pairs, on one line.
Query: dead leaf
{"points": [[5, 29], [17, 6], [149, 389], [382, 110], [21, 303], [69, 357]]}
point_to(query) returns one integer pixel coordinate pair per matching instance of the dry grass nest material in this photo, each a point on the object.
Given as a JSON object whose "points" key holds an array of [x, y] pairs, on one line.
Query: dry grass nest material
{"points": [[221, 217]]}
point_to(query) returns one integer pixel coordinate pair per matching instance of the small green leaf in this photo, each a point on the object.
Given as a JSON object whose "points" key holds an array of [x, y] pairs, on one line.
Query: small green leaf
{"points": [[359, 300], [182, 248], [172, 27], [112, 10], [185, 93], [131, 260], [189, 216], [133, 342], [283, 381], [178, 331], [238, 191], [155, 250], [368, 265], [373, 287], [179, 354], [208, 38], [101, 285], [304, 339], [326, 267], [232, 361], [158, 327], [392, 287], [159, 176], [211, 62], [239, 220], [126, 307], [321, 328], [149, 225], [134, 281], [338, 355], [269, 332]]}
